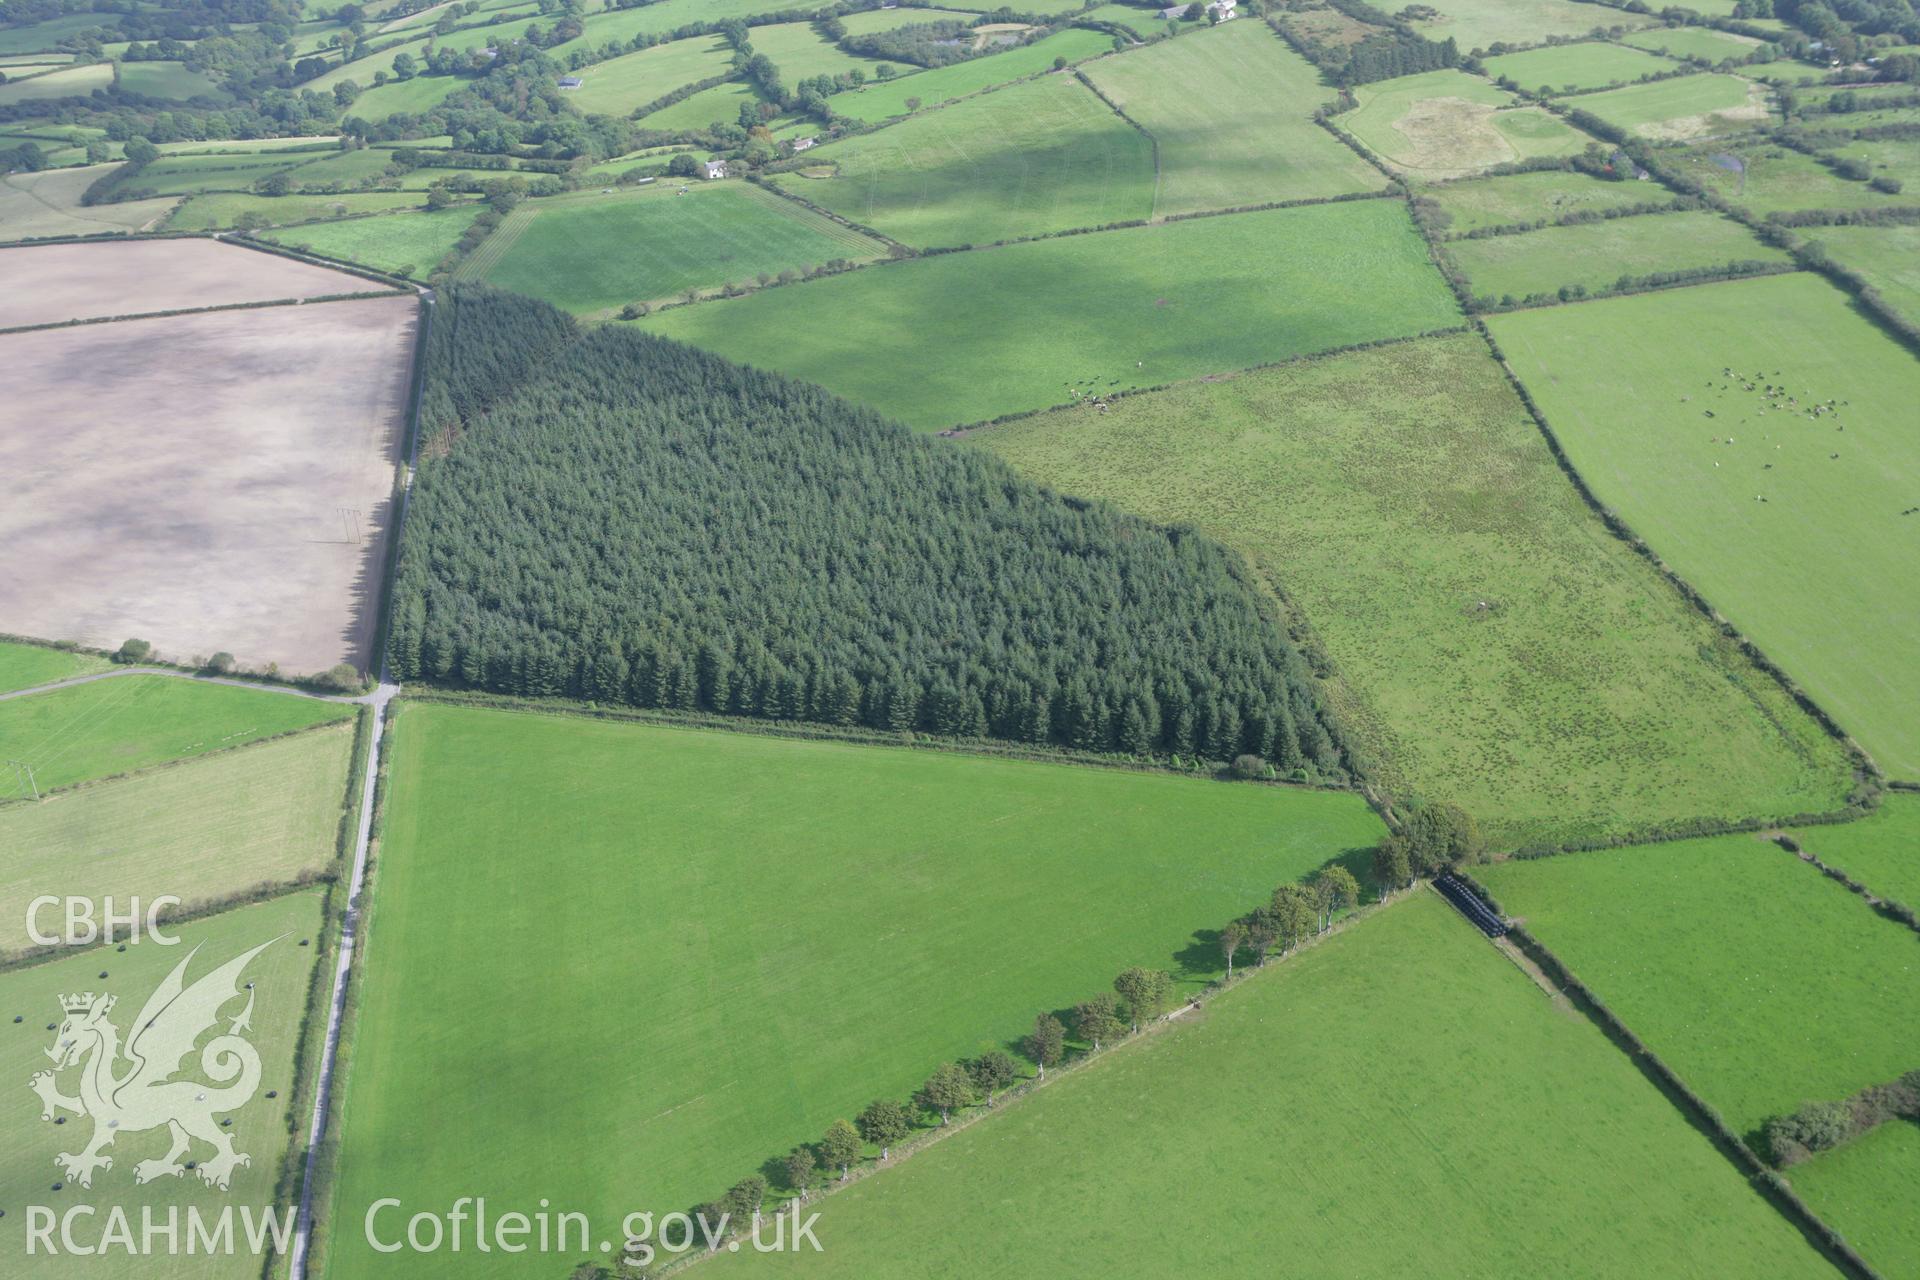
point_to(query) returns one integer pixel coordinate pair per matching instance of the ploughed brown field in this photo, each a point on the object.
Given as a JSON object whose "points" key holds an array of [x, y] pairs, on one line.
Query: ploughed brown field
{"points": [[49, 283], [208, 482]]}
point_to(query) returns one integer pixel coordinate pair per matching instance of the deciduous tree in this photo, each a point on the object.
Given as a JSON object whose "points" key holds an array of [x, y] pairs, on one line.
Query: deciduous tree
{"points": [[946, 1090], [884, 1123]]}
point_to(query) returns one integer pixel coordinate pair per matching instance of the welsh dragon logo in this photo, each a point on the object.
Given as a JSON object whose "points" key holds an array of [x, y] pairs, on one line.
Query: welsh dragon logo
{"points": [[130, 1088]]}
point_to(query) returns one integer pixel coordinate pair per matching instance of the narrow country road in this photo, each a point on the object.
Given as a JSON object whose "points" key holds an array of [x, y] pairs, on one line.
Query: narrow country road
{"points": [[343, 965]]}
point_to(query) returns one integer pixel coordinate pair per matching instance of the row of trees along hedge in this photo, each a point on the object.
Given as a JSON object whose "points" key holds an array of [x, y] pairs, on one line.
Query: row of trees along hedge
{"points": [[616, 517]]}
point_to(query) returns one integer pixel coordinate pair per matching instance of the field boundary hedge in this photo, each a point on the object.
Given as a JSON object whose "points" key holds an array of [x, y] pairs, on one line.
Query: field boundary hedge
{"points": [[176, 763], [1868, 780], [1697, 1110], [922, 1137], [806, 730], [968, 428], [1888, 907], [80, 321], [185, 913], [1154, 205], [1865, 769]]}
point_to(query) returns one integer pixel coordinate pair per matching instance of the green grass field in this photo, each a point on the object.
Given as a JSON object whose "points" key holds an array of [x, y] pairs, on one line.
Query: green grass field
{"points": [[189, 175], [599, 252], [416, 96], [1712, 102], [660, 19], [1525, 197], [1628, 384], [1881, 851], [203, 831], [131, 722], [718, 105], [1042, 156], [1232, 112], [876, 102], [1399, 1101], [168, 80], [1760, 981], [1694, 42], [1864, 1190], [1568, 67], [1448, 124], [24, 665], [621, 85], [408, 244], [1119, 309], [800, 53], [72, 82], [867, 21], [1498, 647], [1480, 24], [281, 975], [219, 210], [793, 919], [1887, 257], [45, 36], [48, 204], [1595, 255]]}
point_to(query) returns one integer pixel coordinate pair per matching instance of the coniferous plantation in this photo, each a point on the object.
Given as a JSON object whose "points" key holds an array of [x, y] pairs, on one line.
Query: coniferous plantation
{"points": [[612, 516]]}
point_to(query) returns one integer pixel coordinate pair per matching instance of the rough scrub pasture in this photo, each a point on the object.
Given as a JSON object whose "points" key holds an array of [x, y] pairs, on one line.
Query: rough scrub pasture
{"points": [[1757, 434], [1230, 112], [1763, 178], [1034, 325], [1497, 647], [48, 284], [1033, 158], [219, 482], [107, 727], [30, 1000], [202, 831], [1762, 983], [1448, 124], [595, 253], [929, 904], [1354, 1168], [1595, 256]]}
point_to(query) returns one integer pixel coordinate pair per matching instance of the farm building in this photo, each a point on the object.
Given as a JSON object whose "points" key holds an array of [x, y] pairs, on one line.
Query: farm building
{"points": [[803, 144], [1222, 9], [716, 168], [1173, 13], [571, 82]]}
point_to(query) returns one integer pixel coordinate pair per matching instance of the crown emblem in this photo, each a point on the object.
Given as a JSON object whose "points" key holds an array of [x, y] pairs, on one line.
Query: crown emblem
{"points": [[79, 1003]]}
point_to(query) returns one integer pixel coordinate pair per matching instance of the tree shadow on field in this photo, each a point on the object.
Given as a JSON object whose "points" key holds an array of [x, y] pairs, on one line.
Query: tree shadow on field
{"points": [[1200, 960]]}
